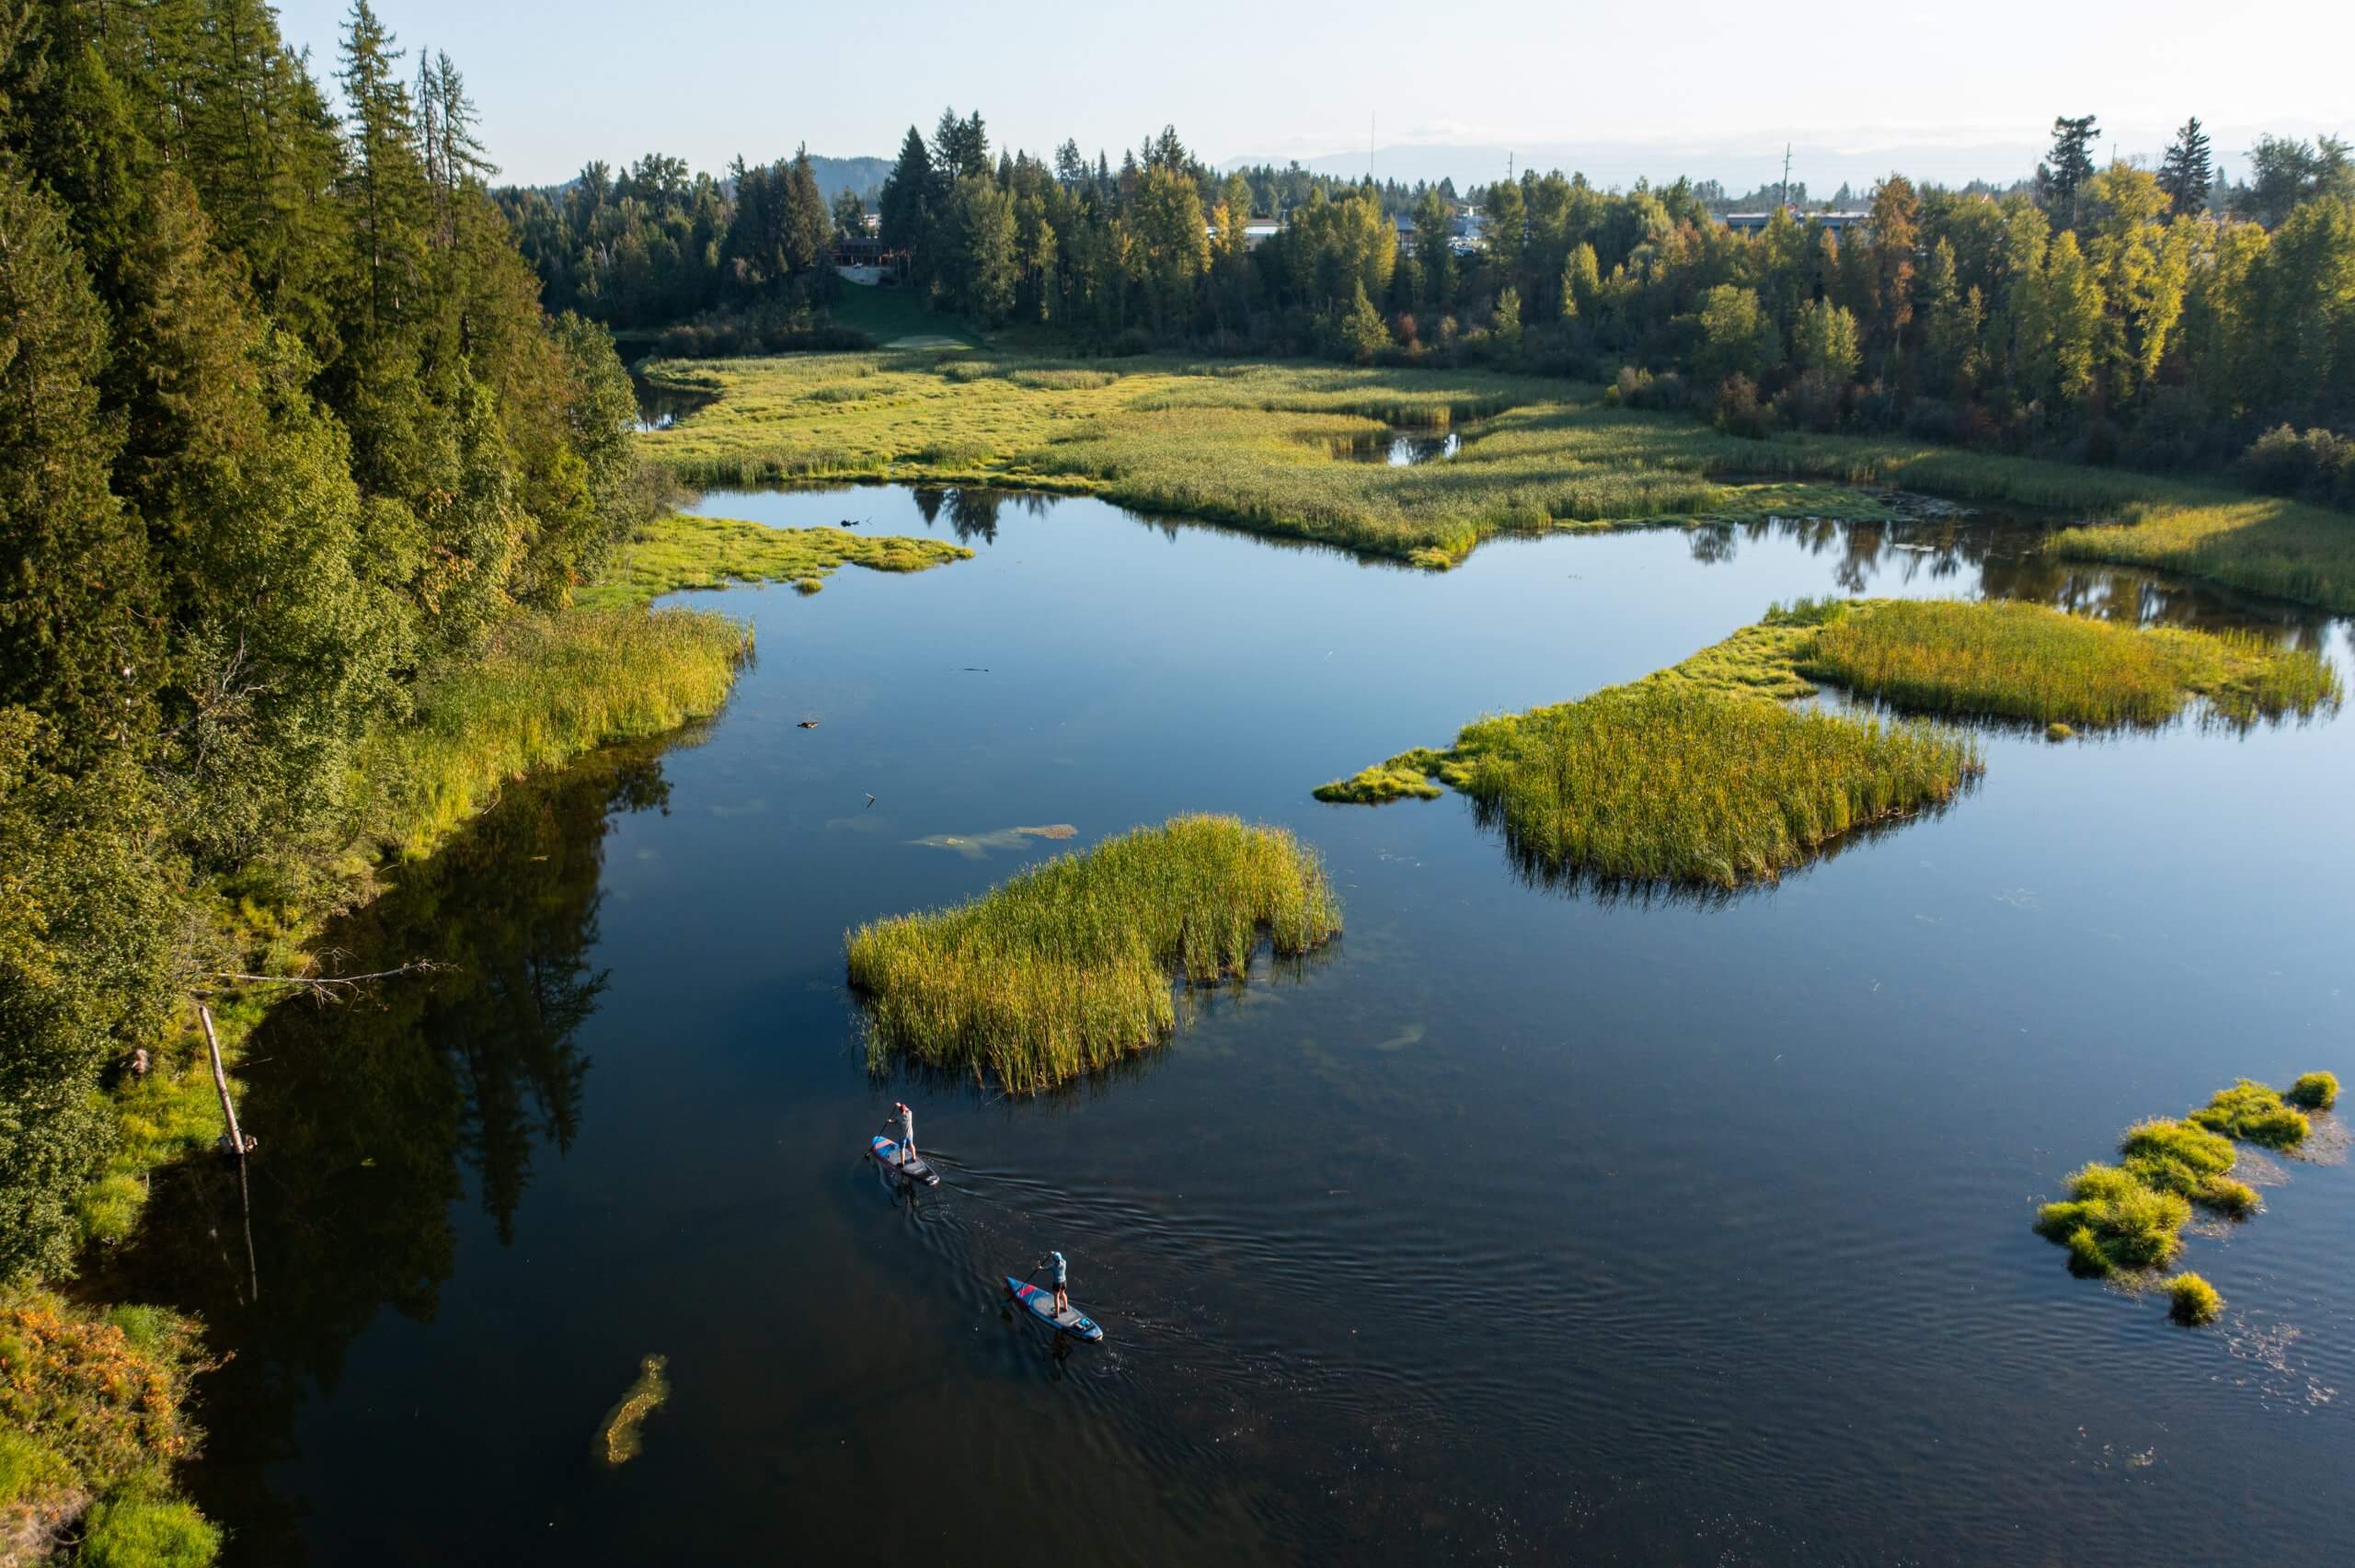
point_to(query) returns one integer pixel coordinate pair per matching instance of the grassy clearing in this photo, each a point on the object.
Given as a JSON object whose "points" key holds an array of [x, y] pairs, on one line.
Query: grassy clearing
{"points": [[2026, 661], [2129, 1218], [2193, 1300], [682, 552], [885, 315], [90, 1427], [1066, 967], [1262, 446]]}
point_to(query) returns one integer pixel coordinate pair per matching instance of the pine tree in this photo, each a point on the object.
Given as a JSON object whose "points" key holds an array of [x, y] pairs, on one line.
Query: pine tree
{"points": [[2187, 176], [2068, 166]]}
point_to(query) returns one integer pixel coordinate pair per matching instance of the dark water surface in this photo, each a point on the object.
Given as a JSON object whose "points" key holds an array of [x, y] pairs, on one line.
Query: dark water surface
{"points": [[1521, 1226]]}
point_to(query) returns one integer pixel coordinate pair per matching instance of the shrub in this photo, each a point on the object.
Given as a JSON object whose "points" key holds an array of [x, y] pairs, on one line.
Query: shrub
{"points": [[2283, 462], [2313, 1092], [144, 1533], [2193, 1301], [1737, 408]]}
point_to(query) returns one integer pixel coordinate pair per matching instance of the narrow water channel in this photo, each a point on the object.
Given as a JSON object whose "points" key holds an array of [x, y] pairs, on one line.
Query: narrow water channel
{"points": [[1525, 1226]]}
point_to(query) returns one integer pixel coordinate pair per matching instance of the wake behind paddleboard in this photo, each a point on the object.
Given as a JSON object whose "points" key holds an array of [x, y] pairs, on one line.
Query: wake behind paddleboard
{"points": [[1041, 1303], [913, 1169]]}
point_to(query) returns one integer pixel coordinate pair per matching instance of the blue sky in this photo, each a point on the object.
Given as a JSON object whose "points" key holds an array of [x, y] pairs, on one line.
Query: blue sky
{"points": [[1706, 87]]}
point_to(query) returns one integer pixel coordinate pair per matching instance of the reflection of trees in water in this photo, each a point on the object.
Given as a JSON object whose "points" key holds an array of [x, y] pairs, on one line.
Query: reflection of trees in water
{"points": [[370, 1112], [973, 510]]}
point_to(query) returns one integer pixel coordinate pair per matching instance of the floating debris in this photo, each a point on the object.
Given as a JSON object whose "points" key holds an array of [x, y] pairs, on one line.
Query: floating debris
{"points": [[806, 724], [618, 1439], [976, 846]]}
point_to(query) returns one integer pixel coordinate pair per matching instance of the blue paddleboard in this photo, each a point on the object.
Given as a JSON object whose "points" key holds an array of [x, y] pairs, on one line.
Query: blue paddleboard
{"points": [[1042, 1302], [915, 1169]]}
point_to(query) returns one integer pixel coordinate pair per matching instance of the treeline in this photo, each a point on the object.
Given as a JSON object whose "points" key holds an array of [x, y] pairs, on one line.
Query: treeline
{"points": [[283, 430]]}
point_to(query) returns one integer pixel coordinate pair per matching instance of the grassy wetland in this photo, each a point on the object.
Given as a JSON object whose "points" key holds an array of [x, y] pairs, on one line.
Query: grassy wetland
{"points": [[2128, 1218], [1066, 967], [2013, 660], [677, 552], [1266, 447]]}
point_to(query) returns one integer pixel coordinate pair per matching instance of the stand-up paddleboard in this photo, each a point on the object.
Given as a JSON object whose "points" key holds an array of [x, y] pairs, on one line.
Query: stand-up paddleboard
{"points": [[915, 1169], [1042, 1302]]}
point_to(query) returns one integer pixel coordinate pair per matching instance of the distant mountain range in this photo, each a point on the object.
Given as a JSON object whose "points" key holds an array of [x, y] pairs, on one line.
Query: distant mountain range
{"points": [[862, 175]]}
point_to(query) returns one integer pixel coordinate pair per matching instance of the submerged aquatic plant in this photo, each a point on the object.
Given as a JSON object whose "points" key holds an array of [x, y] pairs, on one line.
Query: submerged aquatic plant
{"points": [[1066, 967], [619, 1438]]}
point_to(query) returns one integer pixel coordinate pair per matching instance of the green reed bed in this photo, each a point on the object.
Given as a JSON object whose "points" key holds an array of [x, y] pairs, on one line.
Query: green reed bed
{"points": [[2193, 1300], [1066, 967], [2025, 662], [682, 552], [1657, 782], [1696, 773], [547, 689], [2128, 1218]]}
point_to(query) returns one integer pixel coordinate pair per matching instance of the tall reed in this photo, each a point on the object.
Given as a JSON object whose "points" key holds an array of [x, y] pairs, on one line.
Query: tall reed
{"points": [[2024, 661], [1066, 967], [546, 690]]}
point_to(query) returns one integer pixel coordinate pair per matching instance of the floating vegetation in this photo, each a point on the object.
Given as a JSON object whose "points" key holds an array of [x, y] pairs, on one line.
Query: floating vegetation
{"points": [[2058, 731], [678, 552], [2129, 1218], [976, 846], [2313, 1092], [2255, 1114], [2014, 660], [618, 1435], [2191, 1299], [1066, 967]]}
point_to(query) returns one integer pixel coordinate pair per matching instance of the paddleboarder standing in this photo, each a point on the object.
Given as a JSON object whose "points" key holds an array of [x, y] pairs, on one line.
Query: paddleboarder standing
{"points": [[1062, 1281], [907, 1120]]}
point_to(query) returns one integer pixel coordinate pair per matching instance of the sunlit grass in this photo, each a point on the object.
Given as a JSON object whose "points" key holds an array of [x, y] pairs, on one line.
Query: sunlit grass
{"points": [[1262, 446], [1066, 967], [2255, 1114], [2313, 1092], [2130, 1217], [682, 552], [548, 689], [2009, 660], [2191, 1299]]}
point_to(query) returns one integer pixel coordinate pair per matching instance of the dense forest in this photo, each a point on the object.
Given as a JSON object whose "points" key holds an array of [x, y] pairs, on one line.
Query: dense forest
{"points": [[2163, 318], [285, 435]]}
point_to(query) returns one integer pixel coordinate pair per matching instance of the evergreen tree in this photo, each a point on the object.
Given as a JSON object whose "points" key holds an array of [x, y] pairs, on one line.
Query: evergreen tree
{"points": [[2186, 175], [2068, 166]]}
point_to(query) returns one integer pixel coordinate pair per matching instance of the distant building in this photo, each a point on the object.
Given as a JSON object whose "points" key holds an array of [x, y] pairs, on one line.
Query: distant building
{"points": [[1756, 222]]}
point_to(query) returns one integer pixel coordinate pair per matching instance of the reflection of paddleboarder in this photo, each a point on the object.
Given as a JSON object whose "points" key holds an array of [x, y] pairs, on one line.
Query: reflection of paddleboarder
{"points": [[906, 1121]]}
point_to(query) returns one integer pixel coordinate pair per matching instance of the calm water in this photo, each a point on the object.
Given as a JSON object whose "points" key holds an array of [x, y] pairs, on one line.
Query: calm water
{"points": [[1521, 1226]]}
